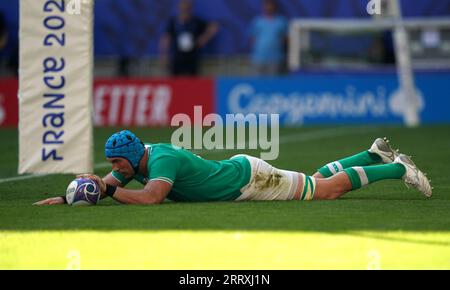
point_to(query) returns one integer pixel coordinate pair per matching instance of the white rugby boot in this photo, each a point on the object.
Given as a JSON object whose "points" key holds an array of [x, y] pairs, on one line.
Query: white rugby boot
{"points": [[414, 177], [382, 147]]}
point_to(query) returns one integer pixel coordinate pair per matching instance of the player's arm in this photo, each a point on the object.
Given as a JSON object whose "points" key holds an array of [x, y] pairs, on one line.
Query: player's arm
{"points": [[155, 192], [162, 175], [108, 179], [211, 30], [165, 43], [111, 180]]}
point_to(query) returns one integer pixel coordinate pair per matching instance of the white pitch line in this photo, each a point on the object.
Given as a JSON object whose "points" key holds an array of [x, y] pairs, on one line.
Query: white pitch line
{"points": [[25, 177], [304, 137], [17, 178], [299, 137]]}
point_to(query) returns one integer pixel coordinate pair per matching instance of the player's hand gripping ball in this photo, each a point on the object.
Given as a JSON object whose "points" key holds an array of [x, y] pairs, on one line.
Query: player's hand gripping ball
{"points": [[83, 191]]}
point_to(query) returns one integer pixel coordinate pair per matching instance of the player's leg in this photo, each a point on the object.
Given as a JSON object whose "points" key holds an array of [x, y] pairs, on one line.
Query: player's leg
{"points": [[379, 152], [268, 182], [356, 177]]}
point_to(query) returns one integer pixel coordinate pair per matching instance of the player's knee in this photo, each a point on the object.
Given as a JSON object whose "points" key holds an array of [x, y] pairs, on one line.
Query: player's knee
{"points": [[326, 196], [330, 191], [339, 190], [331, 195], [318, 175], [337, 187], [336, 192]]}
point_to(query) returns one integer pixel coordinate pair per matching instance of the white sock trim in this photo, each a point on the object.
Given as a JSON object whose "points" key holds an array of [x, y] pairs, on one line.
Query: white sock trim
{"points": [[331, 167], [335, 167], [362, 176]]}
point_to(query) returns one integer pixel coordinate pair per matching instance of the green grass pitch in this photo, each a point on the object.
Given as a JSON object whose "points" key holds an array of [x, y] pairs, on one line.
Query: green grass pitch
{"points": [[385, 226]]}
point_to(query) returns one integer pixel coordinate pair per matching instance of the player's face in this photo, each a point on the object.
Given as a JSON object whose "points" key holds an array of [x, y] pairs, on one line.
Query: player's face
{"points": [[269, 8], [122, 166], [185, 7]]}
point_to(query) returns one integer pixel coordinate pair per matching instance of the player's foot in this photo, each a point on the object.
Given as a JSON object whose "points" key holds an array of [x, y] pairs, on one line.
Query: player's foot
{"points": [[381, 147], [413, 176]]}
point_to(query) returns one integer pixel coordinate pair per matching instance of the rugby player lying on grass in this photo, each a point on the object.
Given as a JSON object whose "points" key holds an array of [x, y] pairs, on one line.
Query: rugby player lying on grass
{"points": [[179, 175]]}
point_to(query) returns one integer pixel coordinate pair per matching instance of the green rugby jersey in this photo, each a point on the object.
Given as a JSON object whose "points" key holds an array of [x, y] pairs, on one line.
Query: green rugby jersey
{"points": [[192, 177]]}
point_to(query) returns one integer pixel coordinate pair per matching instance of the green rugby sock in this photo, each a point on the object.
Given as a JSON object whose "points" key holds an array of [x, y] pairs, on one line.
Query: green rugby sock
{"points": [[362, 159], [361, 176]]}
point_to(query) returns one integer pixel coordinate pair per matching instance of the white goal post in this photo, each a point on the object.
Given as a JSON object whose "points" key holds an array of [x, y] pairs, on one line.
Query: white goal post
{"points": [[299, 40], [299, 30]]}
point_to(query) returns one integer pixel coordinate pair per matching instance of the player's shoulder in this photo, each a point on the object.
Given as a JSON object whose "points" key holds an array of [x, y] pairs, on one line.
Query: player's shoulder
{"points": [[161, 150]]}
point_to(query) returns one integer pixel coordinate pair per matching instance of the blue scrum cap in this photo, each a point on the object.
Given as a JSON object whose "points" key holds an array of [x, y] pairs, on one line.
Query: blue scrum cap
{"points": [[126, 145]]}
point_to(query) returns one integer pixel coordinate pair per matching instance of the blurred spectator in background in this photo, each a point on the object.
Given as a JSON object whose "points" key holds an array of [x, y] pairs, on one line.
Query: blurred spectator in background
{"points": [[269, 40], [389, 49], [3, 32], [13, 57], [123, 67], [185, 35], [383, 50]]}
